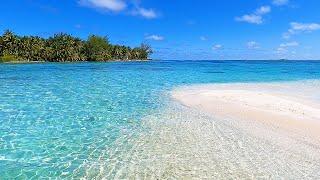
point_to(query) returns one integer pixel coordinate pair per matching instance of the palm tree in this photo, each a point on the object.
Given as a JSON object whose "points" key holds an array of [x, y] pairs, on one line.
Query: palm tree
{"points": [[127, 53], [145, 51], [64, 47], [97, 48], [136, 53], [10, 44]]}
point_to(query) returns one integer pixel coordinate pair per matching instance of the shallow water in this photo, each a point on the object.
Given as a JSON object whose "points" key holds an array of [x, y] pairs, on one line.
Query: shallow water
{"points": [[103, 119]]}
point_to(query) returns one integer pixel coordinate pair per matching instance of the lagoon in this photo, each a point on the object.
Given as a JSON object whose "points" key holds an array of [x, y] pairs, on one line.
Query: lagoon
{"points": [[95, 120]]}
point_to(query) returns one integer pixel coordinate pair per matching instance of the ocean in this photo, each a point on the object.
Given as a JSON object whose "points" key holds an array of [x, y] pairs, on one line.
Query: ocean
{"points": [[99, 120]]}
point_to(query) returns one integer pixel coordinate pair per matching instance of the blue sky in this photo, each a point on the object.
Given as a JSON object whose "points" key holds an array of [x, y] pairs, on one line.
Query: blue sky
{"points": [[180, 29]]}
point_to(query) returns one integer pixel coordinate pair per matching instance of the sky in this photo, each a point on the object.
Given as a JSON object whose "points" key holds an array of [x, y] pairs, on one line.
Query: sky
{"points": [[180, 29]]}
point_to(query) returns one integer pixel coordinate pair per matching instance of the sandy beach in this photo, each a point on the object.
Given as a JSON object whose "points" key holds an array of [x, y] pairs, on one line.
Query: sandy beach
{"points": [[274, 105], [228, 131]]}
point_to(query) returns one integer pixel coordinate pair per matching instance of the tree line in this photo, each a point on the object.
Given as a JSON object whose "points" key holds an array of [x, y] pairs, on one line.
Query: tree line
{"points": [[63, 47]]}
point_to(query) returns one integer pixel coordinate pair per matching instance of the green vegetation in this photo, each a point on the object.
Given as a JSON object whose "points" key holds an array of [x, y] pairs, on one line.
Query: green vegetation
{"points": [[66, 48], [8, 58]]}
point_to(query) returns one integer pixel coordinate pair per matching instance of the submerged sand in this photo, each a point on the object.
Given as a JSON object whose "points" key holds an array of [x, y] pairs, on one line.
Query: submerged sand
{"points": [[226, 131]]}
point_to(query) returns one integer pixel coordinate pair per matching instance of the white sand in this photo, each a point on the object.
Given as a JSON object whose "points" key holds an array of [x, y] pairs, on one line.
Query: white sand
{"points": [[231, 131], [270, 104]]}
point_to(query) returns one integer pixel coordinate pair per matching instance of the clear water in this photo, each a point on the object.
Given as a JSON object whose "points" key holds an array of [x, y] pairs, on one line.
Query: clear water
{"points": [[82, 119]]}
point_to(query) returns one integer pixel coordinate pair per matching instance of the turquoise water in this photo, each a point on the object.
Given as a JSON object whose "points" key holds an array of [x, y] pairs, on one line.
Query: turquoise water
{"points": [[55, 119]]}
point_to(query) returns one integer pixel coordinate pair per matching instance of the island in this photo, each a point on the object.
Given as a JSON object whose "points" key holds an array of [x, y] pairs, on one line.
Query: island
{"points": [[62, 47]]}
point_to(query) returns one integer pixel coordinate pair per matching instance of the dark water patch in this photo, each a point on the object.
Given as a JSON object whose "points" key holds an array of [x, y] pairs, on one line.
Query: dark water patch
{"points": [[215, 72]]}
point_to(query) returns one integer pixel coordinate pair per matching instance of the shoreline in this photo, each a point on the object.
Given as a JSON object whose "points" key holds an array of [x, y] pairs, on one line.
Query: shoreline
{"points": [[217, 131], [61, 62], [265, 103]]}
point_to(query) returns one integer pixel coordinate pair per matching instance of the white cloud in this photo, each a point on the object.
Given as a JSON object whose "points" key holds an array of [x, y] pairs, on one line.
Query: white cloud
{"points": [[256, 17], [146, 13], [155, 37], [281, 51], [120, 5], [263, 10], [289, 44], [110, 5], [217, 47], [280, 2], [296, 28], [286, 35], [284, 47], [203, 38], [304, 26], [252, 45], [252, 18]]}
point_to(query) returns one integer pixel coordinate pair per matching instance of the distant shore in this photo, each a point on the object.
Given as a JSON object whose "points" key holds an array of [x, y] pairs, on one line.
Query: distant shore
{"points": [[22, 62], [39, 62], [64, 47]]}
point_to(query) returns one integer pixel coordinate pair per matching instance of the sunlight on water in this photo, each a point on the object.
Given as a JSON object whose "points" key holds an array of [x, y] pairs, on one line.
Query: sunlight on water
{"points": [[117, 120], [182, 143]]}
